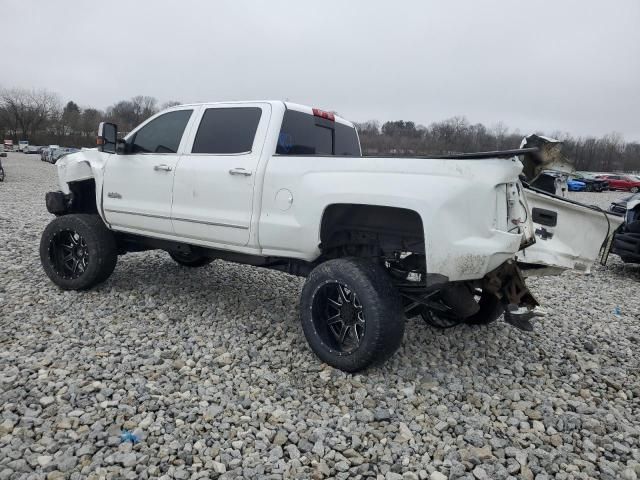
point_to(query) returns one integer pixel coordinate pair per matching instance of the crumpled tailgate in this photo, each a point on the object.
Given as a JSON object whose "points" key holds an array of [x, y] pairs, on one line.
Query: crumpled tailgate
{"points": [[569, 235]]}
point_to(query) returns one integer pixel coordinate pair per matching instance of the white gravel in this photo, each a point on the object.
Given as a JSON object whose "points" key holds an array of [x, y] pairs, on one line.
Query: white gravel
{"points": [[209, 368]]}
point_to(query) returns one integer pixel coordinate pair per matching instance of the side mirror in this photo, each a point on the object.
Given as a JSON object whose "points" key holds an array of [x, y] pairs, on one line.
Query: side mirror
{"points": [[107, 137]]}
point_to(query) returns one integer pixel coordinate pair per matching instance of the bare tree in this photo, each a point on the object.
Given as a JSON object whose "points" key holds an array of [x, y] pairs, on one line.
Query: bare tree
{"points": [[89, 120], [169, 104], [27, 111]]}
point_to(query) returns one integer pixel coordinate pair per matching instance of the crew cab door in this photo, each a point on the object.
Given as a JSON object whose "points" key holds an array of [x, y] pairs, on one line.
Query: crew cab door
{"points": [[138, 184], [215, 177]]}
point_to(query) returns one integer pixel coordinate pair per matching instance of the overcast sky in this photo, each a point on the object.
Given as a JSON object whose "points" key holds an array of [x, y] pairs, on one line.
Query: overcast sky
{"points": [[571, 65]]}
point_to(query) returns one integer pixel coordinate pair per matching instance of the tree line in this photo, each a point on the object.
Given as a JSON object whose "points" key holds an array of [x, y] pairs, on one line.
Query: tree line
{"points": [[41, 117], [457, 135]]}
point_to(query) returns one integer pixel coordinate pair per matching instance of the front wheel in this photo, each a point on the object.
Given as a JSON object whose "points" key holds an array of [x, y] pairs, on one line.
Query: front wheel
{"points": [[634, 189], [78, 251], [351, 314]]}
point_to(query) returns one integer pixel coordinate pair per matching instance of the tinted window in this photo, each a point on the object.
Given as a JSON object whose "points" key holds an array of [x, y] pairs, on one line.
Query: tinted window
{"points": [[304, 134], [161, 135], [227, 130]]}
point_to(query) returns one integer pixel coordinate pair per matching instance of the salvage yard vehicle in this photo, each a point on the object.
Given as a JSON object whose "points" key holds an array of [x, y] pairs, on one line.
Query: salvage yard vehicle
{"points": [[622, 182], [285, 186], [626, 242], [2, 174], [592, 183], [576, 185]]}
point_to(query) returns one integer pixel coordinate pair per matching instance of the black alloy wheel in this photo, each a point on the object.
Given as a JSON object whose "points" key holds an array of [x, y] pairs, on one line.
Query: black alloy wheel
{"points": [[337, 314], [69, 254]]}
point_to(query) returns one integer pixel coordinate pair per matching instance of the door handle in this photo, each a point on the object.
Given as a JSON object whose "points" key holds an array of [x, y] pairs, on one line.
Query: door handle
{"points": [[163, 167], [240, 171]]}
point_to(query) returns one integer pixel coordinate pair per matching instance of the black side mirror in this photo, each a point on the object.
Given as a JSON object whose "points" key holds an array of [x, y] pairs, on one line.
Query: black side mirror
{"points": [[107, 137]]}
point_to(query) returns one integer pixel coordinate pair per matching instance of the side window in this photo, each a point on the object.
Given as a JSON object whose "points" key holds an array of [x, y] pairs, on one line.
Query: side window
{"points": [[304, 134], [227, 130], [161, 135]]}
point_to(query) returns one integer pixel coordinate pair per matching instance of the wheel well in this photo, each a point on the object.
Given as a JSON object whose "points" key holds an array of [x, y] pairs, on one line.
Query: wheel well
{"points": [[83, 196], [374, 230]]}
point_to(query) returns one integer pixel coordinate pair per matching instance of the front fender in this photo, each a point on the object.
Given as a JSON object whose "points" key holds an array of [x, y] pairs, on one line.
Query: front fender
{"points": [[80, 166]]}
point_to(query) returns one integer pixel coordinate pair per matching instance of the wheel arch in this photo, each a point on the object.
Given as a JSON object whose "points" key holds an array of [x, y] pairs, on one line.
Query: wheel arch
{"points": [[392, 227]]}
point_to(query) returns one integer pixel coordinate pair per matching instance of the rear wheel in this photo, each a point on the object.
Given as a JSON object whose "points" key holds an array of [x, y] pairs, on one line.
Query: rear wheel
{"points": [[634, 189], [78, 251], [351, 314], [190, 259]]}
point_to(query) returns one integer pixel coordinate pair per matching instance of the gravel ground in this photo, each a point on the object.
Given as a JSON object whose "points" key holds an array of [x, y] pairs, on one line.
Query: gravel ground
{"points": [[210, 370]]}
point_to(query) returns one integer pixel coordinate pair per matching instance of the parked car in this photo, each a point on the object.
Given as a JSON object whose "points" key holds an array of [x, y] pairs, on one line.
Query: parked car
{"points": [[284, 186], [58, 153], [593, 184], [31, 149], [622, 182], [22, 145], [48, 156], [626, 242], [2, 174], [576, 185]]}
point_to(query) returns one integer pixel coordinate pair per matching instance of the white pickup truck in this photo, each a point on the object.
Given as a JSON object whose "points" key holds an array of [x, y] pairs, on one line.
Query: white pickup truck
{"points": [[284, 186]]}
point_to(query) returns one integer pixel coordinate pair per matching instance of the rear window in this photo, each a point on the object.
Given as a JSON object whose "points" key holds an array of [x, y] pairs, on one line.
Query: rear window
{"points": [[227, 130], [304, 134]]}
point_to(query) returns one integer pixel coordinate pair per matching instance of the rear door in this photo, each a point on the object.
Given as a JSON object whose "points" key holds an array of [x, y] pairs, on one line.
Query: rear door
{"points": [[215, 178], [138, 185]]}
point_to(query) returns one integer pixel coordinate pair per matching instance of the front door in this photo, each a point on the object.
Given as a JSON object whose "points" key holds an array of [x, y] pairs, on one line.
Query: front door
{"points": [[214, 181], [138, 184]]}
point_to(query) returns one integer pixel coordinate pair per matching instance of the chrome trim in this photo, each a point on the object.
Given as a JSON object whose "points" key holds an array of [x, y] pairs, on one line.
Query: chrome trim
{"points": [[240, 171], [150, 215], [215, 224], [196, 154]]}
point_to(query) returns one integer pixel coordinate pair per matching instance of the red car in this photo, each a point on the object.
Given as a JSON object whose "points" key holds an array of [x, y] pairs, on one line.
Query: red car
{"points": [[622, 182]]}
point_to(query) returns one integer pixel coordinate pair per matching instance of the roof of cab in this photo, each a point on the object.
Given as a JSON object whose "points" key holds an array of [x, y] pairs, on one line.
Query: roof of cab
{"points": [[288, 105]]}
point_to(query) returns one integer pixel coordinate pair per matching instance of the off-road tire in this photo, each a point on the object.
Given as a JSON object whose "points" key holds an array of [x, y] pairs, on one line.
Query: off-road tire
{"points": [[190, 260], [380, 306], [100, 246]]}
